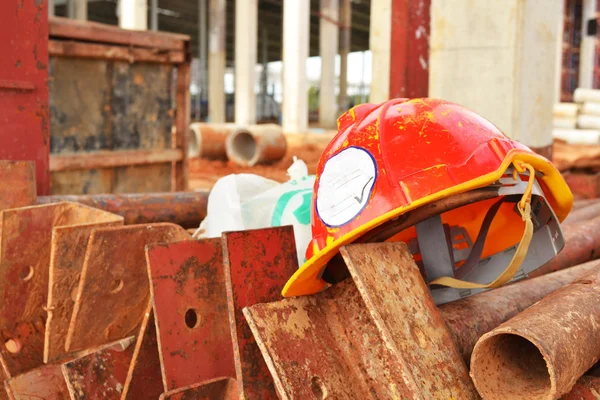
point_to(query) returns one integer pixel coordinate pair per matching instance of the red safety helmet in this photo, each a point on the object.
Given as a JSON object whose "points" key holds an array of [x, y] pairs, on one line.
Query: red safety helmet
{"points": [[385, 173]]}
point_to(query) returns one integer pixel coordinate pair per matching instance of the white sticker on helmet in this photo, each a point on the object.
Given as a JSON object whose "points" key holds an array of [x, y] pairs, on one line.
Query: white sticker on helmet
{"points": [[345, 186]]}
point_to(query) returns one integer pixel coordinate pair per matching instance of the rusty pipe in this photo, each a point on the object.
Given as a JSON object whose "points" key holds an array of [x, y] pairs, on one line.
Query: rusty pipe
{"points": [[578, 204], [586, 388], [469, 318], [541, 352], [260, 144], [187, 209], [582, 244], [582, 214], [208, 140]]}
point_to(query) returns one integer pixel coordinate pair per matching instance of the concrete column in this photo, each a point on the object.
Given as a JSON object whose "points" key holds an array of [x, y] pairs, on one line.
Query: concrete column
{"points": [[296, 23], [51, 11], [81, 10], [328, 48], [559, 53], [203, 40], [380, 46], [345, 25], [588, 47], [497, 58], [154, 15], [246, 31], [216, 61], [133, 14]]}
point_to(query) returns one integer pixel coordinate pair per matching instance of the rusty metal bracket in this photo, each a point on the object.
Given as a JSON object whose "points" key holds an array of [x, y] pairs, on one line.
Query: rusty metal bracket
{"points": [[215, 389], [377, 335], [190, 303], [144, 375], [46, 382], [101, 374], [17, 184], [114, 270], [32, 240], [258, 263]]}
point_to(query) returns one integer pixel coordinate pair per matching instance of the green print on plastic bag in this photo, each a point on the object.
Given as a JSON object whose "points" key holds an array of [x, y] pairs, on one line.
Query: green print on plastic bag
{"points": [[302, 213]]}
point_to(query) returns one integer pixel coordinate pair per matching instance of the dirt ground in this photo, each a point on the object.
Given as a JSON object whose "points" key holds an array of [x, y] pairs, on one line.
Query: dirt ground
{"points": [[204, 173]]}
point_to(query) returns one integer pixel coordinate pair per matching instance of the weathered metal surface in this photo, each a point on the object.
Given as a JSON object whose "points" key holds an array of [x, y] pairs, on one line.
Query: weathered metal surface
{"points": [[101, 374], [583, 185], [144, 375], [30, 243], [584, 214], [46, 382], [582, 244], [469, 318], [392, 288], [69, 245], [541, 352], [114, 270], [379, 338], [258, 263], [215, 389], [108, 52], [409, 62], [586, 388], [187, 209], [257, 144], [24, 119], [179, 177], [18, 184], [206, 140], [190, 302], [111, 159]]}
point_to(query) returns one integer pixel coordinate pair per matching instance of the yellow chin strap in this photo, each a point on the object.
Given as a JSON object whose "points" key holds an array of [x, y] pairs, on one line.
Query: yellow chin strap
{"points": [[524, 207]]}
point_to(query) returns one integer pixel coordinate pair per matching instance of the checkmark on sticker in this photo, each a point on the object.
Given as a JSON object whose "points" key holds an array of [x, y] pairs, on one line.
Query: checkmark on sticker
{"points": [[362, 193]]}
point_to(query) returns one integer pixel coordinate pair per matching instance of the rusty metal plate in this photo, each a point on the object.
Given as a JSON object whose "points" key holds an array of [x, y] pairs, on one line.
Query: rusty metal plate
{"points": [[18, 184], [114, 270], [338, 344], [45, 382], [586, 388], [190, 302], [101, 374], [258, 263], [144, 375], [66, 262], [27, 247], [215, 389], [401, 306]]}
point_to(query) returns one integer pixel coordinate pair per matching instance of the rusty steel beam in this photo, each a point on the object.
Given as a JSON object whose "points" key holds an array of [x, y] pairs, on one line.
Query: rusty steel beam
{"points": [[469, 318], [541, 352], [257, 263], [585, 213], [258, 144], [376, 335], [582, 244], [190, 303], [114, 292], [112, 159], [215, 389], [187, 209]]}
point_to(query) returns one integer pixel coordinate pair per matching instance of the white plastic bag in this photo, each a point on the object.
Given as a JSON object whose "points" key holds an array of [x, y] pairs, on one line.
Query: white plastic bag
{"points": [[248, 201]]}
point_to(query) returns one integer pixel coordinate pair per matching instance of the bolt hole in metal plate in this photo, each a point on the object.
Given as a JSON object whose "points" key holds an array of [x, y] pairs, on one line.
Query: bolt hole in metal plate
{"points": [[190, 306], [29, 246], [115, 259]]}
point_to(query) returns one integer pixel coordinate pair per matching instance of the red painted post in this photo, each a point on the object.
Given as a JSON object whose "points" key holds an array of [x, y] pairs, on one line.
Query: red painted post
{"points": [[24, 115], [409, 58]]}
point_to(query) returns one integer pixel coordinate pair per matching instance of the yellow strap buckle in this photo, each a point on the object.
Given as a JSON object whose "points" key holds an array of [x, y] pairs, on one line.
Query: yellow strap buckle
{"points": [[524, 207]]}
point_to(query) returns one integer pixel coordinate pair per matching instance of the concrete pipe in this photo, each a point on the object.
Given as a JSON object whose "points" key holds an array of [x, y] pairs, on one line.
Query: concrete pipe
{"points": [[208, 140], [470, 318], [544, 350], [259, 144]]}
